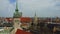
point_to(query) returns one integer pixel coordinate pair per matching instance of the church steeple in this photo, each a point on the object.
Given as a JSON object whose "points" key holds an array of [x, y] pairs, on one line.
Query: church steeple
{"points": [[17, 14], [16, 6], [35, 14], [35, 18]]}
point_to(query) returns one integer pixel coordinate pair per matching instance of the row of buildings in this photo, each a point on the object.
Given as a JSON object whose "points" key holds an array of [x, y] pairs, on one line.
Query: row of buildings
{"points": [[29, 19]]}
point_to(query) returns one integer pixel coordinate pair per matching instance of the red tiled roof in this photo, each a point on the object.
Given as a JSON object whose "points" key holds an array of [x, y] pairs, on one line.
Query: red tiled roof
{"points": [[22, 32], [22, 19], [24, 24], [9, 19], [25, 19]]}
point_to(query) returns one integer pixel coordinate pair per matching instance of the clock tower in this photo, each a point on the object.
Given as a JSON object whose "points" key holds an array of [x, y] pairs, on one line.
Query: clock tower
{"points": [[16, 20]]}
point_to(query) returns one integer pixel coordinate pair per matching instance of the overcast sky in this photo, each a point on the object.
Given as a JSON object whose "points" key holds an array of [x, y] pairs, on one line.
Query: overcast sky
{"points": [[43, 8]]}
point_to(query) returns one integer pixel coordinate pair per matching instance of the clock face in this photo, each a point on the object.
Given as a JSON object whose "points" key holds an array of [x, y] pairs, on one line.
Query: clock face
{"points": [[16, 20]]}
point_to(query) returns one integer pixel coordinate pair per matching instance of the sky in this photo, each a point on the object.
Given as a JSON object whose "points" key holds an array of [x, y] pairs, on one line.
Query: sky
{"points": [[43, 8]]}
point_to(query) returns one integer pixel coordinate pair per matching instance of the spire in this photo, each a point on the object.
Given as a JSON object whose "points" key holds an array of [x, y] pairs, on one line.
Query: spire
{"points": [[16, 6], [35, 13], [35, 18], [17, 14], [35, 21]]}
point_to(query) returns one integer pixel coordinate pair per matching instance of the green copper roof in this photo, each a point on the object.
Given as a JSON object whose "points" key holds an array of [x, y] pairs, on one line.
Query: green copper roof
{"points": [[17, 14], [16, 6]]}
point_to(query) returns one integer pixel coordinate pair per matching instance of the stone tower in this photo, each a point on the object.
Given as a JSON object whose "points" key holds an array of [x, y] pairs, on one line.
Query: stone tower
{"points": [[16, 20], [35, 19]]}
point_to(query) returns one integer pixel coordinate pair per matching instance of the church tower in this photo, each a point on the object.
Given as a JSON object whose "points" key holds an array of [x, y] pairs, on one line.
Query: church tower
{"points": [[16, 20], [17, 14], [35, 19]]}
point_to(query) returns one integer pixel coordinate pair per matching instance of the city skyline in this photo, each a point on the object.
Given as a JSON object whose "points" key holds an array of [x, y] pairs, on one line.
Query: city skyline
{"points": [[43, 8]]}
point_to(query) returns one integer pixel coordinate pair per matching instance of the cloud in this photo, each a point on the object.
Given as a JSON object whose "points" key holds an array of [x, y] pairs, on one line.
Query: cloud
{"points": [[6, 9], [31, 6], [43, 8], [56, 4], [12, 1]]}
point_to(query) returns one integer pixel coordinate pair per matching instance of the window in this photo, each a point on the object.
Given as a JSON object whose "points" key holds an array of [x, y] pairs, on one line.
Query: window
{"points": [[17, 21]]}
